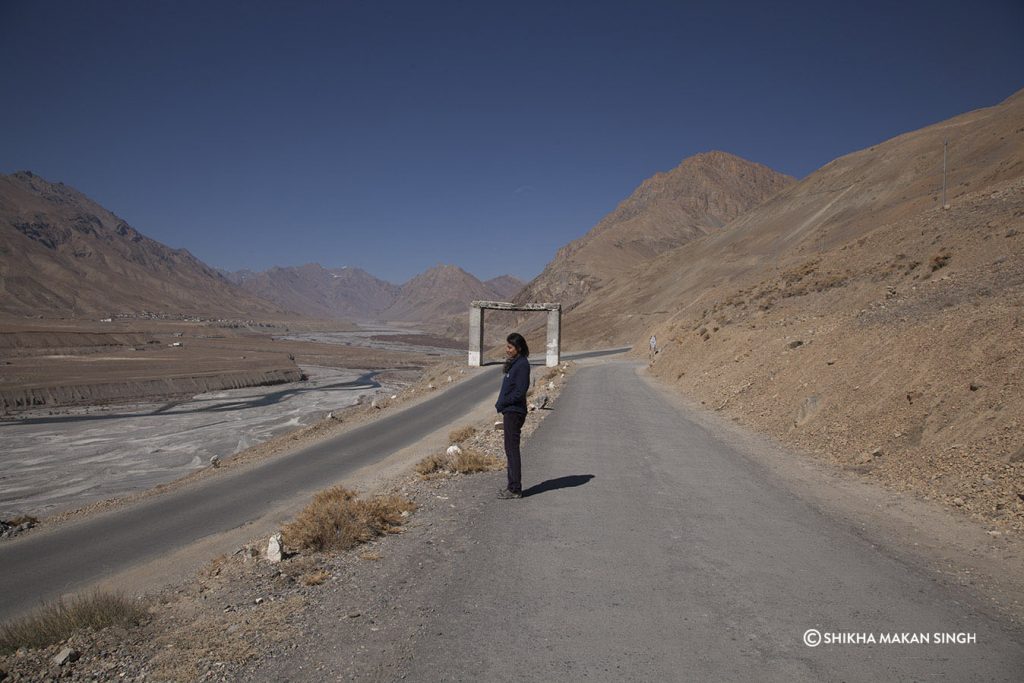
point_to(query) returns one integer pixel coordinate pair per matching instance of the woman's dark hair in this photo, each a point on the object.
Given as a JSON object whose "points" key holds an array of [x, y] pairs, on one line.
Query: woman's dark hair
{"points": [[516, 340]]}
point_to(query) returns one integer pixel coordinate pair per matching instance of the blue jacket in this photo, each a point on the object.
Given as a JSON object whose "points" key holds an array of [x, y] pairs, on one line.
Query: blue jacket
{"points": [[512, 397]]}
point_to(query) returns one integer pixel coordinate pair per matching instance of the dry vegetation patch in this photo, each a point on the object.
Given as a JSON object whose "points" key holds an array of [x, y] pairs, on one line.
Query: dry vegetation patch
{"points": [[338, 520], [461, 434], [467, 461], [56, 621]]}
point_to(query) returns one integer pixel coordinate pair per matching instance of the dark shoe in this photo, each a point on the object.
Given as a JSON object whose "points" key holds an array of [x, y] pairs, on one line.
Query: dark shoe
{"points": [[505, 494]]}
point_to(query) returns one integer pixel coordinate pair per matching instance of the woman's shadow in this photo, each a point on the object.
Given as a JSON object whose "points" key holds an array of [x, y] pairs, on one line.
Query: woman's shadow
{"points": [[558, 483]]}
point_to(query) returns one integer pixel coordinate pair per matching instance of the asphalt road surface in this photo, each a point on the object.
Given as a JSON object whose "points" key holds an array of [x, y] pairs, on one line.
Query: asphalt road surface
{"points": [[648, 549], [48, 564]]}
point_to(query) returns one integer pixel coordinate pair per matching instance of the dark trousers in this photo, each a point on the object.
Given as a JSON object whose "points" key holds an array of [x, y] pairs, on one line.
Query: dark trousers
{"points": [[513, 426]]}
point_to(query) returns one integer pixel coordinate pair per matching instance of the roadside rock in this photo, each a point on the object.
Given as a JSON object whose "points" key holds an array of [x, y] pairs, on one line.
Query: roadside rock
{"points": [[274, 548], [66, 656]]}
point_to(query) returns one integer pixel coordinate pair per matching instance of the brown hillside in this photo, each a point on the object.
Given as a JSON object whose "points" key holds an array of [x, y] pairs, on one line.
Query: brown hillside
{"points": [[61, 254], [436, 295], [694, 199], [505, 287], [851, 315], [330, 294]]}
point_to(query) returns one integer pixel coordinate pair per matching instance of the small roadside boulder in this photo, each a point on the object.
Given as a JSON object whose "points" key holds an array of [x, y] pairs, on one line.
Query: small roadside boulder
{"points": [[454, 451], [274, 553], [66, 656]]}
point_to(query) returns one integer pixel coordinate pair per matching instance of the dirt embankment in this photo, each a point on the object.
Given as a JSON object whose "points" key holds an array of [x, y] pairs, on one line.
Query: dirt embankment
{"points": [[898, 355], [136, 390], [65, 363]]}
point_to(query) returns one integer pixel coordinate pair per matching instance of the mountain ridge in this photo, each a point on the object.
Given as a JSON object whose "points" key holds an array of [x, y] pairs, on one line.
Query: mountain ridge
{"points": [[62, 253], [697, 197]]}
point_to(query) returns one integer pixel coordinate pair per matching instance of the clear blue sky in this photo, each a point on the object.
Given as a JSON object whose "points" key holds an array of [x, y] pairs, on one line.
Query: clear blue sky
{"points": [[394, 136]]}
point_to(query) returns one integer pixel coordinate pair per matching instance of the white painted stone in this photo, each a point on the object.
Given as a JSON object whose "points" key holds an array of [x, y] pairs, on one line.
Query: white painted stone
{"points": [[454, 450], [274, 548]]}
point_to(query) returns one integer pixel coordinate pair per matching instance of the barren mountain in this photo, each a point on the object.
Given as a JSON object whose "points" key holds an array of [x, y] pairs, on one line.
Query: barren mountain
{"points": [[331, 294], [62, 254], [505, 287], [694, 199], [352, 293], [438, 294], [853, 316]]}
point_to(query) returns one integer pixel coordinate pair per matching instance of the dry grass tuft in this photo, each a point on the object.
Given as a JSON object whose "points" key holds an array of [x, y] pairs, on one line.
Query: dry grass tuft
{"points": [[370, 556], [462, 434], [57, 621], [433, 464], [315, 578], [338, 520], [470, 462], [466, 462]]}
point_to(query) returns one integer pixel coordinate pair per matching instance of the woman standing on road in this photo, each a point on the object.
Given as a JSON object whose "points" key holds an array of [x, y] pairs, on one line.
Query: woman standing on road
{"points": [[512, 406]]}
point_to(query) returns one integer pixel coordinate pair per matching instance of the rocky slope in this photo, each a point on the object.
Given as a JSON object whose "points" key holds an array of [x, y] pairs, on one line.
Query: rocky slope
{"points": [[694, 199], [326, 293], [438, 294], [505, 287], [854, 317], [62, 254], [353, 294]]}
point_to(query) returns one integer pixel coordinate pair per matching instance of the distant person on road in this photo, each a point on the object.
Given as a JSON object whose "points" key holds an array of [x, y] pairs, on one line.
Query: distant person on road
{"points": [[512, 406], [654, 347]]}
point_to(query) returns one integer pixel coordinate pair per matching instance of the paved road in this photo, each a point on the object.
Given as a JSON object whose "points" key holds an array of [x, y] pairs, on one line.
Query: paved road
{"points": [[45, 565], [649, 550]]}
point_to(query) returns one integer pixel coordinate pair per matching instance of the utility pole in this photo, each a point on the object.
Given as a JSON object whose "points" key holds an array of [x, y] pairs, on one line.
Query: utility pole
{"points": [[945, 145]]}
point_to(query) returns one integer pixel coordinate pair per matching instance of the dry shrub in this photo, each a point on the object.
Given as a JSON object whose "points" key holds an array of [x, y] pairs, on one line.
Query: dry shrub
{"points": [[337, 520], [315, 578], [57, 621], [433, 464], [461, 434], [470, 462], [466, 462]]}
